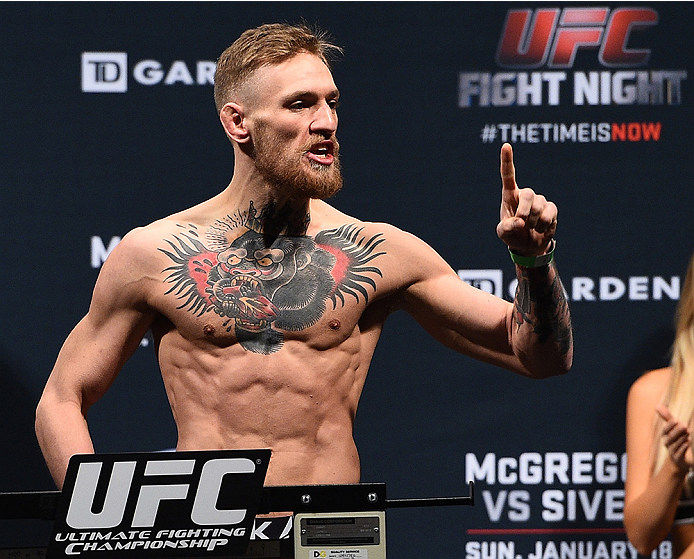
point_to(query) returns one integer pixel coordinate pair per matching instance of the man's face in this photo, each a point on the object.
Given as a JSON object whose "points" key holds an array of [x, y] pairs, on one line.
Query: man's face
{"points": [[293, 122]]}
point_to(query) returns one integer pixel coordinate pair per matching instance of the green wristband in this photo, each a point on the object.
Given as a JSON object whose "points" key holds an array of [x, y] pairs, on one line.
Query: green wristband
{"points": [[534, 261]]}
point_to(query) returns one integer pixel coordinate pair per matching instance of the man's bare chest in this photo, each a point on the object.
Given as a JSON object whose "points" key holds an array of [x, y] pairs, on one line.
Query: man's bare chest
{"points": [[229, 283]]}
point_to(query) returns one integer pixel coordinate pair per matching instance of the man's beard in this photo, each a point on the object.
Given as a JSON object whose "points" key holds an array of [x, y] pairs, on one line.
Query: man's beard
{"points": [[288, 174]]}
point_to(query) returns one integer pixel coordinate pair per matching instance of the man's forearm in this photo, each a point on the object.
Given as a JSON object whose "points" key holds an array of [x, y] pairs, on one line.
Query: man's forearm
{"points": [[542, 330], [62, 431]]}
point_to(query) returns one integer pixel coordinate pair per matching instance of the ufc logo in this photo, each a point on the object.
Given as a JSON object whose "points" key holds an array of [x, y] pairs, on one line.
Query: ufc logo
{"points": [[552, 36], [150, 495]]}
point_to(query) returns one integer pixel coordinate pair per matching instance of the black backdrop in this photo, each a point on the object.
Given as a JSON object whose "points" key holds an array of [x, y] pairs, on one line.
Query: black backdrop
{"points": [[81, 168]]}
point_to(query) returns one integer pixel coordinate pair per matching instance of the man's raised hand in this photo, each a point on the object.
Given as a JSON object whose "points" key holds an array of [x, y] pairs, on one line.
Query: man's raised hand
{"points": [[528, 220]]}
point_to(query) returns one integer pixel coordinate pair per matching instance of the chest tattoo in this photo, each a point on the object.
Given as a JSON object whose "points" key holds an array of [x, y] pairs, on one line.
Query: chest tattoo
{"points": [[261, 290]]}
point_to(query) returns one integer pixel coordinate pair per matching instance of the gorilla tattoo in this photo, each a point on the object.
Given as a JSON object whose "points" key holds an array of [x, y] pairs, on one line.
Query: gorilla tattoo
{"points": [[262, 289]]}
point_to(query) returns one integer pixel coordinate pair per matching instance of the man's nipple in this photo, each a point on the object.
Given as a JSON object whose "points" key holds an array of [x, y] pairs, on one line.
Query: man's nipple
{"points": [[334, 324], [208, 330]]}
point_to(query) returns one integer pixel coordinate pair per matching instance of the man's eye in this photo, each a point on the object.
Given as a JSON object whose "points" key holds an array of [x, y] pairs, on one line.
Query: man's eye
{"points": [[333, 105], [297, 105]]}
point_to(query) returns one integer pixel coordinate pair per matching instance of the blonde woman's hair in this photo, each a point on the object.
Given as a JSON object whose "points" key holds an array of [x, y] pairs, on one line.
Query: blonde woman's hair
{"points": [[679, 396], [266, 45]]}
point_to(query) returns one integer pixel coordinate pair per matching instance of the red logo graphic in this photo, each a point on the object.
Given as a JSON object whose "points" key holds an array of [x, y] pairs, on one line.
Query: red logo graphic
{"points": [[552, 36]]}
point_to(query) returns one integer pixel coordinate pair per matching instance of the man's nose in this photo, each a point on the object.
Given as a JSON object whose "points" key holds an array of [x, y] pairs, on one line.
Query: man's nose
{"points": [[325, 120]]}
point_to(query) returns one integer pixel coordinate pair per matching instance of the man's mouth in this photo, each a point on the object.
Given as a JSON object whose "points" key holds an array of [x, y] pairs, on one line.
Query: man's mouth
{"points": [[322, 152]]}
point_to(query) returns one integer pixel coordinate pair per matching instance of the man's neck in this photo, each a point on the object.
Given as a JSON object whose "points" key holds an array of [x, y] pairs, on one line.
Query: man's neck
{"points": [[266, 210]]}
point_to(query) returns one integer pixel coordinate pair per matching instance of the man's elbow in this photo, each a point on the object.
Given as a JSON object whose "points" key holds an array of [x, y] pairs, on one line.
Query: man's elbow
{"points": [[546, 368], [48, 410], [40, 418], [564, 365]]}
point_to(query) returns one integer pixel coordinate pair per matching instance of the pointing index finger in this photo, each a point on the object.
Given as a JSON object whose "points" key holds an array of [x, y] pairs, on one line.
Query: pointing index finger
{"points": [[508, 171]]}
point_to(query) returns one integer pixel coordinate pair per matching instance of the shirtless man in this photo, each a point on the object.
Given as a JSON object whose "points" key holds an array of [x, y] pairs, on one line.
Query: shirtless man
{"points": [[266, 303]]}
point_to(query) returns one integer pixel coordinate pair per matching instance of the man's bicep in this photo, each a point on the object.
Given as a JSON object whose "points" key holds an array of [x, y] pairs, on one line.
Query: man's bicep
{"points": [[462, 317], [458, 315], [94, 353], [106, 337]]}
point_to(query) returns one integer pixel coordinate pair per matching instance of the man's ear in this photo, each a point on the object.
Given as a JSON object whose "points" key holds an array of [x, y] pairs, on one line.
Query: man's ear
{"points": [[234, 122]]}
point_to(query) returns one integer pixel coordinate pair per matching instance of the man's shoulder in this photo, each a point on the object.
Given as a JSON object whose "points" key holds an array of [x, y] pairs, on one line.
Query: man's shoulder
{"points": [[330, 218], [399, 258], [139, 245], [147, 236]]}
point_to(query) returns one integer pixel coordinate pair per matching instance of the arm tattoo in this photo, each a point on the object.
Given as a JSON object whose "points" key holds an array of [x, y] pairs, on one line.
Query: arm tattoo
{"points": [[541, 303]]}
